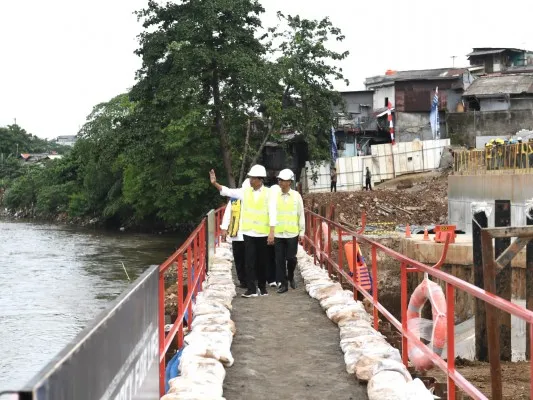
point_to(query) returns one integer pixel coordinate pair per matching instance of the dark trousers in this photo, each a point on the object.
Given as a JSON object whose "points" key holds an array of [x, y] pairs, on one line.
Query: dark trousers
{"points": [[255, 255], [271, 264], [286, 250], [368, 184], [333, 187], [239, 258]]}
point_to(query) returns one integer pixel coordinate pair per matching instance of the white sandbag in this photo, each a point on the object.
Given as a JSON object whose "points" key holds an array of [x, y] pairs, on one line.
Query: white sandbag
{"points": [[347, 332], [347, 311], [364, 369], [206, 328], [220, 297], [193, 388], [354, 353], [416, 390], [192, 366], [211, 319], [223, 337], [354, 322], [210, 346], [204, 308], [328, 291], [362, 341], [387, 385], [315, 288], [393, 365], [344, 297]]}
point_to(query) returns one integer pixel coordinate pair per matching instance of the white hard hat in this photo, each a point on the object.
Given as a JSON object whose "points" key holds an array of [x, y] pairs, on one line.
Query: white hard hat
{"points": [[286, 175], [246, 183], [257, 171]]}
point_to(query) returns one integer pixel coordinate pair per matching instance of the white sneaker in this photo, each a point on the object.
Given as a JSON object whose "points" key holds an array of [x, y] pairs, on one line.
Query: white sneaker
{"points": [[273, 284]]}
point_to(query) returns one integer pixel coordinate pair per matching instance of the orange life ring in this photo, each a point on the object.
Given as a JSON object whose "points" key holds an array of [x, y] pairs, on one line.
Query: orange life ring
{"points": [[431, 291], [324, 239]]}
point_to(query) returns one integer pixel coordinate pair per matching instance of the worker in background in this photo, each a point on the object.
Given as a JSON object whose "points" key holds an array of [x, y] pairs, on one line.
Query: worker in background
{"points": [[256, 225], [488, 154], [368, 179], [522, 152], [271, 252], [231, 230], [287, 209], [333, 176], [530, 153]]}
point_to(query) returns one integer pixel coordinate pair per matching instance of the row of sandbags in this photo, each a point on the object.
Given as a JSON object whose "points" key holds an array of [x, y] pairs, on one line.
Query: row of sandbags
{"points": [[367, 354], [207, 348]]}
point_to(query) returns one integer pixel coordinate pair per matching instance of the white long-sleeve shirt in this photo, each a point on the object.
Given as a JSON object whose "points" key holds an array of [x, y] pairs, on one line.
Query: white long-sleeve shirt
{"points": [[226, 219], [273, 212], [239, 194]]}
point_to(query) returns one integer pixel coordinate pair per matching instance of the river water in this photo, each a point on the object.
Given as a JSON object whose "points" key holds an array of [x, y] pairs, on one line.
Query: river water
{"points": [[54, 280]]}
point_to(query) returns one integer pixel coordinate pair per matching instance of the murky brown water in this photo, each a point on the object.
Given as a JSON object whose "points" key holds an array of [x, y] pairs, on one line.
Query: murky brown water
{"points": [[54, 280]]}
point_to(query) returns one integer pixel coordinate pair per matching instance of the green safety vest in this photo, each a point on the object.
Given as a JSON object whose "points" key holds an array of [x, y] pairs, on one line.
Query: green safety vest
{"points": [[287, 211], [255, 212]]}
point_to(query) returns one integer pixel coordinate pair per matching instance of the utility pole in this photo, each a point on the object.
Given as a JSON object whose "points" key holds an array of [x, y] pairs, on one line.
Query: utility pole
{"points": [[453, 61]]}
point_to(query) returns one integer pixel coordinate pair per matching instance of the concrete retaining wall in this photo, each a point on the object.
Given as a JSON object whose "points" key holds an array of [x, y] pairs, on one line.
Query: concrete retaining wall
{"points": [[463, 190]]}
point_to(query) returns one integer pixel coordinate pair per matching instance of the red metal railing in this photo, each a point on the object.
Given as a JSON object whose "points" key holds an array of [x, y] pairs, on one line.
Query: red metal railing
{"points": [[314, 225], [192, 255]]}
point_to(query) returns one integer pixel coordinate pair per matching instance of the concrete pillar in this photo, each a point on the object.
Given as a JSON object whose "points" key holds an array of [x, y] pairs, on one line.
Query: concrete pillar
{"points": [[502, 217], [479, 221]]}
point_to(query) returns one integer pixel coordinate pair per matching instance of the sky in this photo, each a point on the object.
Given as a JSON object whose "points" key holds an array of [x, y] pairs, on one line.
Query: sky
{"points": [[59, 58]]}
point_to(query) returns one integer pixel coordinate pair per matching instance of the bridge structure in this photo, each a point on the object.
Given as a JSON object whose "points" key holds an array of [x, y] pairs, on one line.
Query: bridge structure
{"points": [[282, 345]]}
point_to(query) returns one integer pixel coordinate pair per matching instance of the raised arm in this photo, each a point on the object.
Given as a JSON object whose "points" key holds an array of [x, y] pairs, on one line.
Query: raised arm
{"points": [[225, 191]]}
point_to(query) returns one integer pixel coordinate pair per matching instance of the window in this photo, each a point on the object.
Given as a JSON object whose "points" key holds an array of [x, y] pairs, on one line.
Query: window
{"points": [[386, 101]]}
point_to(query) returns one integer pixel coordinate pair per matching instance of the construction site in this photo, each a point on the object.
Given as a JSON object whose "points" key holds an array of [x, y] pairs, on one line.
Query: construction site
{"points": [[465, 195]]}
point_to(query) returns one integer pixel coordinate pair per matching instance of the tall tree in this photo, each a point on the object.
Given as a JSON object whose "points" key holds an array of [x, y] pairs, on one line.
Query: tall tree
{"points": [[206, 55]]}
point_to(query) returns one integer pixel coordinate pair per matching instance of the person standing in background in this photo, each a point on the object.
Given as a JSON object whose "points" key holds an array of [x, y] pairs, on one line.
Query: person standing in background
{"points": [[231, 229], [368, 180], [333, 175]]}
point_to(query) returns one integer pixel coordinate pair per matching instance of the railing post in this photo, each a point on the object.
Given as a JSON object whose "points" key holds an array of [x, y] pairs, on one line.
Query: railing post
{"points": [[375, 286], [179, 265], [529, 284], [340, 252], [161, 334], [354, 264], [330, 245], [315, 248], [479, 221], [403, 290], [190, 288], [450, 315]]}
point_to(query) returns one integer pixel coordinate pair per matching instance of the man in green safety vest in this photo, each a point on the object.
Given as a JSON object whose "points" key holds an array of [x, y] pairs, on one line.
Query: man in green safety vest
{"points": [[287, 212], [231, 229], [256, 225]]}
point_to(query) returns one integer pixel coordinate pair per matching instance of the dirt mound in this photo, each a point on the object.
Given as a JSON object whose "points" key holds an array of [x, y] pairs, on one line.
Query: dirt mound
{"points": [[406, 200]]}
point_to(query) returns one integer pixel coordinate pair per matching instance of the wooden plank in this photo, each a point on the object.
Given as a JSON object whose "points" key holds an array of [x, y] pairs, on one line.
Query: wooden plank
{"points": [[493, 333], [479, 222], [508, 232], [529, 284], [510, 252]]}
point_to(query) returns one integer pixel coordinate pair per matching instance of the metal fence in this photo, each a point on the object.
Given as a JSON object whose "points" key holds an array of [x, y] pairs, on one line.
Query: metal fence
{"points": [[516, 158], [316, 241]]}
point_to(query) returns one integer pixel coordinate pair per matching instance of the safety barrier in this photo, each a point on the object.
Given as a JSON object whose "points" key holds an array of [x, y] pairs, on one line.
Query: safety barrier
{"points": [[517, 158], [323, 254], [193, 255]]}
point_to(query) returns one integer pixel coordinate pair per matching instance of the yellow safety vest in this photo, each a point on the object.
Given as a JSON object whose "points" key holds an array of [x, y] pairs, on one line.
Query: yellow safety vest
{"points": [[255, 212], [287, 212], [235, 217]]}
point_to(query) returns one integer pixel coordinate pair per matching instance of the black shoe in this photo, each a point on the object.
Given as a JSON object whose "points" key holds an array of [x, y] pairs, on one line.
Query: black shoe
{"points": [[283, 288], [292, 282], [243, 285], [263, 291], [249, 293]]}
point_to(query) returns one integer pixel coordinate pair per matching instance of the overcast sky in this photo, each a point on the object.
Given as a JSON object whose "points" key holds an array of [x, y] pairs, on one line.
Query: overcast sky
{"points": [[58, 58]]}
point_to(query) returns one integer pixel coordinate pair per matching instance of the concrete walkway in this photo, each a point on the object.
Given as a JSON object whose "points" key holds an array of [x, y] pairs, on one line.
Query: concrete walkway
{"points": [[286, 348]]}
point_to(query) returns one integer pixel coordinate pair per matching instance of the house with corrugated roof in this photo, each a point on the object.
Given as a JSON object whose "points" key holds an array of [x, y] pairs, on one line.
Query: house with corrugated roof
{"points": [[411, 94], [497, 105], [488, 60]]}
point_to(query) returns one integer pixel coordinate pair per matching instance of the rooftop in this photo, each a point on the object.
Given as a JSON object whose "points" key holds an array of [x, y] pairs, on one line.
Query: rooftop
{"points": [[501, 84], [415, 75], [482, 51]]}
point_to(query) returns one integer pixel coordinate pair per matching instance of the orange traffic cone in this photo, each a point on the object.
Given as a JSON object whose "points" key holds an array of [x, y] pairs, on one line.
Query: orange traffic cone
{"points": [[407, 231], [426, 236]]}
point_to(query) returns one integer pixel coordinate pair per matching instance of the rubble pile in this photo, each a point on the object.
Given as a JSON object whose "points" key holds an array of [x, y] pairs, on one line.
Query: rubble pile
{"points": [[405, 202], [367, 354], [207, 348]]}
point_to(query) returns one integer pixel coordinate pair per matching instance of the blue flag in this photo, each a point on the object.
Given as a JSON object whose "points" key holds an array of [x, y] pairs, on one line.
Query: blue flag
{"points": [[434, 116], [334, 151]]}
